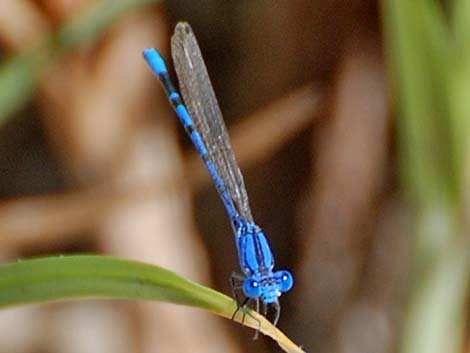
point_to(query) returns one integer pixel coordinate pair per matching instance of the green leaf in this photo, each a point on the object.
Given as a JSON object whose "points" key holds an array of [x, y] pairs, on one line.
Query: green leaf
{"points": [[20, 74], [418, 50], [72, 277], [460, 93], [428, 52]]}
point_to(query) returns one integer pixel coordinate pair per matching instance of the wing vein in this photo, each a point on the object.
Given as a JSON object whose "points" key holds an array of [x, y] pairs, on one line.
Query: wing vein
{"points": [[202, 104]]}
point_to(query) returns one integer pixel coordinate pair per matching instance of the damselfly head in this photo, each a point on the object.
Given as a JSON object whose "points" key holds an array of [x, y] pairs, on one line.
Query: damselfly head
{"points": [[268, 288]]}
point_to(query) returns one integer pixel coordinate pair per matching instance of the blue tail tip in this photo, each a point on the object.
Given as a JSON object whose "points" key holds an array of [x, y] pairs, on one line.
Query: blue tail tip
{"points": [[155, 60]]}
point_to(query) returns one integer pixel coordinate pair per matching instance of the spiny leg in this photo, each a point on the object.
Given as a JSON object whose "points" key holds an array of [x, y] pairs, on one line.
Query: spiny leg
{"points": [[234, 277], [255, 337], [265, 309], [244, 308], [246, 312], [277, 312]]}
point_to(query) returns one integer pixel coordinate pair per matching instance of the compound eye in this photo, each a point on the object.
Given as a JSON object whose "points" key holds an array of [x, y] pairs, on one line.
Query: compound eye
{"points": [[286, 281], [252, 288]]}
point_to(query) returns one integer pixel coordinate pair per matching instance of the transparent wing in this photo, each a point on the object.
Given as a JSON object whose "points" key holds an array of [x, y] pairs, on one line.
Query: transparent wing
{"points": [[201, 102]]}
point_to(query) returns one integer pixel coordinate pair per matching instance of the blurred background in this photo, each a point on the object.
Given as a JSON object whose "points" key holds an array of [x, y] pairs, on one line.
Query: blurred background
{"points": [[349, 119]]}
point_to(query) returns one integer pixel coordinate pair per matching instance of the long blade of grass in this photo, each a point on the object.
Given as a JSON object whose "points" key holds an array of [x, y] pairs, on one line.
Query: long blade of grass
{"points": [[20, 74], [418, 50], [430, 91], [73, 277]]}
